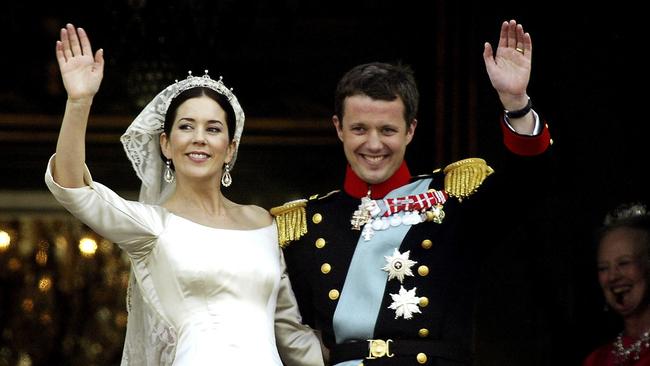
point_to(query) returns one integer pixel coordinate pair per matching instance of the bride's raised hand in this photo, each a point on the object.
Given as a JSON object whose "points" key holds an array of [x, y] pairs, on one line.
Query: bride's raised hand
{"points": [[82, 72]]}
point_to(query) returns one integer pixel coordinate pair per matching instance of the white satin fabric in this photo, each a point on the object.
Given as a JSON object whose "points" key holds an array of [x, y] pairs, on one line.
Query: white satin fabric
{"points": [[198, 295]]}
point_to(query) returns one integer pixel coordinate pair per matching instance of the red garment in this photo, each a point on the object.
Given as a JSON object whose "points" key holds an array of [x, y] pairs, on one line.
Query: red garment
{"points": [[357, 188], [525, 145], [604, 356]]}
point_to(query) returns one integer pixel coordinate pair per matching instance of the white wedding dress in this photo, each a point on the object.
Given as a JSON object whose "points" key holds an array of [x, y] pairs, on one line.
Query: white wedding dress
{"points": [[198, 295]]}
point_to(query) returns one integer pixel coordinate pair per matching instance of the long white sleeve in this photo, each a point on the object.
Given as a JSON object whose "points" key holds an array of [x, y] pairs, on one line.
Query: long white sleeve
{"points": [[131, 225], [297, 343]]}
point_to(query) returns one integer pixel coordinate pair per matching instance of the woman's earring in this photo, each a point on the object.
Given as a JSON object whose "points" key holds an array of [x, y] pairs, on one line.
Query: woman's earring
{"points": [[226, 179], [169, 175]]}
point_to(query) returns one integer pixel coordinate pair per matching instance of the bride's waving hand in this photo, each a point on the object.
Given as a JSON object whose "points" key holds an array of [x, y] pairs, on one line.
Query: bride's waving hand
{"points": [[82, 73]]}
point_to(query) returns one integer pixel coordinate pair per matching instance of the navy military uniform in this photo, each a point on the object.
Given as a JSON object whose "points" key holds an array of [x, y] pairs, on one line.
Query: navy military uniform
{"points": [[402, 293]]}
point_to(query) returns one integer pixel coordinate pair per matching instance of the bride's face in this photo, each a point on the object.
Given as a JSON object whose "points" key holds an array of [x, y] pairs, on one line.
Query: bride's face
{"points": [[198, 143]]}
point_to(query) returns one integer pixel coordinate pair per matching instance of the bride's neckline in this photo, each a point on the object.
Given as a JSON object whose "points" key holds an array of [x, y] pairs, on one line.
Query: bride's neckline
{"points": [[215, 227]]}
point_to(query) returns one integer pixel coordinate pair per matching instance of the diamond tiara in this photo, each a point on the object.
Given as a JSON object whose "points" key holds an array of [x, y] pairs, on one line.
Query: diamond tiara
{"points": [[196, 82], [625, 212], [217, 85]]}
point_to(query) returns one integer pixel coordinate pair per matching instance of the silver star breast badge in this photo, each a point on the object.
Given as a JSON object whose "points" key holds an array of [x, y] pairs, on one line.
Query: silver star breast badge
{"points": [[399, 265], [405, 303]]}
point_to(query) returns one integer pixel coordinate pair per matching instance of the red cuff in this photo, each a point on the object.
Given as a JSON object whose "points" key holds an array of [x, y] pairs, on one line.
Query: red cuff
{"points": [[525, 145]]}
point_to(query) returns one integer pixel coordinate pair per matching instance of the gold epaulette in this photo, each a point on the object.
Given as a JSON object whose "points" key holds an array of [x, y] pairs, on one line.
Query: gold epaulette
{"points": [[463, 177], [291, 219]]}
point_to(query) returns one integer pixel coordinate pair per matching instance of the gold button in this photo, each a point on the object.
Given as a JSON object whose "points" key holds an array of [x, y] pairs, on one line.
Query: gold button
{"points": [[422, 358], [334, 294], [423, 333], [325, 268], [424, 301], [426, 243], [317, 218], [320, 242], [423, 270]]}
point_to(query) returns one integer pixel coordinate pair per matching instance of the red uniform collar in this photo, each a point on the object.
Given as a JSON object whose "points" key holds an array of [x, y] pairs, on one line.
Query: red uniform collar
{"points": [[356, 187]]}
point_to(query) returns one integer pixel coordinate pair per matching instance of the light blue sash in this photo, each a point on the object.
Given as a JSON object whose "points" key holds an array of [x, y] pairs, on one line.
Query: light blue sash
{"points": [[363, 290]]}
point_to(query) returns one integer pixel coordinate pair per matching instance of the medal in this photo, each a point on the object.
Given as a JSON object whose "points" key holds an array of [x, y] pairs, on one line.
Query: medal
{"points": [[405, 303], [375, 215], [366, 210], [399, 265]]}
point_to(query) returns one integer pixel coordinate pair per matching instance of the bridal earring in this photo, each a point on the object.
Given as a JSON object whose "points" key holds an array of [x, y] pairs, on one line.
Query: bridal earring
{"points": [[169, 175], [226, 179]]}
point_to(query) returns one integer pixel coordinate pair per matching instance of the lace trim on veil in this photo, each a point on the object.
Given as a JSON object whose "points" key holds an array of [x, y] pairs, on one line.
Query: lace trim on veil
{"points": [[150, 340]]}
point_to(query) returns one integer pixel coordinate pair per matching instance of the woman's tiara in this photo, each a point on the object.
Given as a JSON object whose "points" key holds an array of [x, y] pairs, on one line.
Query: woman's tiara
{"points": [[200, 81], [625, 212]]}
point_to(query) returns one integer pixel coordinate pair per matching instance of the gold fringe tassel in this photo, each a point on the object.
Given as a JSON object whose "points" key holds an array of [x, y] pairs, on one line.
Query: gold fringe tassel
{"points": [[463, 177], [291, 220]]}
